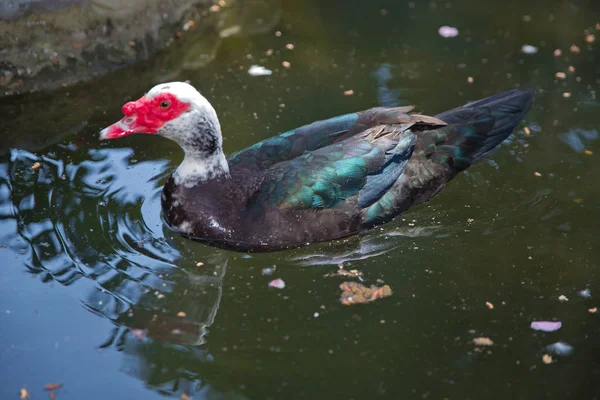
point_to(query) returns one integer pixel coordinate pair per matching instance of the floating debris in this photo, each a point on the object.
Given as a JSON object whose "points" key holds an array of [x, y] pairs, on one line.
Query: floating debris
{"points": [[24, 394], [185, 396], [483, 341], [489, 305], [286, 64], [269, 52], [138, 333], [268, 271], [571, 69], [588, 152], [277, 284], [258, 70], [199, 264], [557, 53], [593, 310], [529, 49], [52, 386], [585, 293], [189, 24], [448, 31], [563, 298], [36, 166], [527, 131], [181, 314], [546, 326], [289, 46], [547, 359], [560, 348], [357, 293], [349, 92], [470, 79], [353, 273], [590, 38], [560, 75], [574, 49], [537, 174], [526, 18], [566, 95]]}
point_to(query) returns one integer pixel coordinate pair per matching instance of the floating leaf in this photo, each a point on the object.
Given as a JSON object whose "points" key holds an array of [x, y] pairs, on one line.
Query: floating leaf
{"points": [[546, 326], [277, 283]]}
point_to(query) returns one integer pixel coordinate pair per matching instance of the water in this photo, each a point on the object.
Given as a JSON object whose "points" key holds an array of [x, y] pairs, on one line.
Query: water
{"points": [[96, 294]]}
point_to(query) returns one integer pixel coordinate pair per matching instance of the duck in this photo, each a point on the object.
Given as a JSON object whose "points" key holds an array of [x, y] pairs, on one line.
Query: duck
{"points": [[328, 180]]}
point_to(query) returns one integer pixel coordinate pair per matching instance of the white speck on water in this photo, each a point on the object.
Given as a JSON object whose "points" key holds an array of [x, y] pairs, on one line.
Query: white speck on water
{"points": [[585, 293], [448, 31], [316, 314], [257, 70], [529, 49], [560, 348]]}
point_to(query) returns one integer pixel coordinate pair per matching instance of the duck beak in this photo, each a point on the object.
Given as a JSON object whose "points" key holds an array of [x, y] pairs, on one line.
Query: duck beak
{"points": [[124, 127]]}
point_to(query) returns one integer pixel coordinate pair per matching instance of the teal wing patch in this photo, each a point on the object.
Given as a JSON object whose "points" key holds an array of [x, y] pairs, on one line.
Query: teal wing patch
{"points": [[326, 178], [294, 143]]}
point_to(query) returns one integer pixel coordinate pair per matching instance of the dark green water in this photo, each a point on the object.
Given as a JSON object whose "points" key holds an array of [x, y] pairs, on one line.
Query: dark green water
{"points": [[87, 263]]}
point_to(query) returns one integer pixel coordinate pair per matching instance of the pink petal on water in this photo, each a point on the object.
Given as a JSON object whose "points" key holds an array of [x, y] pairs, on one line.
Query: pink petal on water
{"points": [[277, 283], [546, 326], [448, 31]]}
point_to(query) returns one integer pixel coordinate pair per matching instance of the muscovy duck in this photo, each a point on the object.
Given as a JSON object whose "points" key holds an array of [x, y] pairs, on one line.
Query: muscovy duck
{"points": [[323, 181]]}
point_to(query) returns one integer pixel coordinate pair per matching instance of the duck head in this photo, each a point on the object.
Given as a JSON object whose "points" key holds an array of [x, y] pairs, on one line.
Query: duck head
{"points": [[177, 111]]}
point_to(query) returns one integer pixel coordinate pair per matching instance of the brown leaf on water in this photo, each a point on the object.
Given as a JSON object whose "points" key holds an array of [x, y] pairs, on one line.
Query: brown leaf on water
{"points": [[52, 386], [356, 293], [489, 305], [353, 273], [36, 166], [185, 396], [482, 341]]}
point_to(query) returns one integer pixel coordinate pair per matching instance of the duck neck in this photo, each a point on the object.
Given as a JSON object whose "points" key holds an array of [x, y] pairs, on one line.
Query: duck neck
{"points": [[204, 159], [200, 167]]}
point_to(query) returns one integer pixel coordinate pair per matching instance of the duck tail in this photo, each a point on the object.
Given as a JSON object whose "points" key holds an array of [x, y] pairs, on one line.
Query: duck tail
{"points": [[506, 110]]}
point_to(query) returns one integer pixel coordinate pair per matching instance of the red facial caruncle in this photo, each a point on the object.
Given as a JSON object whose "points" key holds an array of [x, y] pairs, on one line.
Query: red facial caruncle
{"points": [[146, 115]]}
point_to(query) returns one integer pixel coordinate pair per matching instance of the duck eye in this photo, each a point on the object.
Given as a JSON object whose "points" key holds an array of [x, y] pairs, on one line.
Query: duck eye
{"points": [[165, 104]]}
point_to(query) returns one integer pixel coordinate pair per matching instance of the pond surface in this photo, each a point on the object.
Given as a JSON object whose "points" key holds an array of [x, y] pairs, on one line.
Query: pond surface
{"points": [[96, 294]]}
